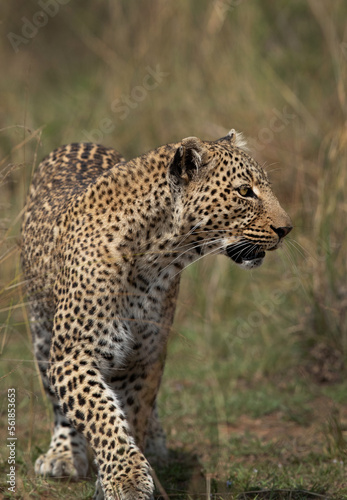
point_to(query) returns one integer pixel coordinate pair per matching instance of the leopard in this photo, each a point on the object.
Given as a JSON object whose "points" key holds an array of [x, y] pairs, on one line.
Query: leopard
{"points": [[104, 244]]}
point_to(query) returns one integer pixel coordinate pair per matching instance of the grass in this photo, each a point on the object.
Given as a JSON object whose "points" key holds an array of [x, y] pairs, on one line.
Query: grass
{"points": [[254, 394], [267, 434]]}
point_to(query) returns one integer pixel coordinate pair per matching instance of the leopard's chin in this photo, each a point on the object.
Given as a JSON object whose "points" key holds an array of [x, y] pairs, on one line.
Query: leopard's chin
{"points": [[246, 254]]}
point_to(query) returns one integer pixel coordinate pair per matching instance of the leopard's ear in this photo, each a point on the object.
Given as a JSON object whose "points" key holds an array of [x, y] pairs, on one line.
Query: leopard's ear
{"points": [[236, 139], [189, 158]]}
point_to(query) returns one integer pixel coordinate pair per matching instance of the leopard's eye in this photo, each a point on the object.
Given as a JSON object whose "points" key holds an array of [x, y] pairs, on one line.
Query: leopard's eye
{"points": [[246, 192]]}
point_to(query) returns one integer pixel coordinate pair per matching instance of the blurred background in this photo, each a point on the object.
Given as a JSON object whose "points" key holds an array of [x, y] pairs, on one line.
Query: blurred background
{"points": [[255, 387]]}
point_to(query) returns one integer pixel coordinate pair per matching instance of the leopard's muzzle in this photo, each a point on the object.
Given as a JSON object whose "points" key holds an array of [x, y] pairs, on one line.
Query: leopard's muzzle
{"points": [[246, 254]]}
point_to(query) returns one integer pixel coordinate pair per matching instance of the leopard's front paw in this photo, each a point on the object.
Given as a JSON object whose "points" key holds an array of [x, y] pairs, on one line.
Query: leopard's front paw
{"points": [[63, 464], [130, 479]]}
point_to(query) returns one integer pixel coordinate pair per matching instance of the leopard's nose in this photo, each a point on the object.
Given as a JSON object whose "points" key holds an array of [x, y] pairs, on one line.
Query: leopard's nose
{"points": [[282, 231]]}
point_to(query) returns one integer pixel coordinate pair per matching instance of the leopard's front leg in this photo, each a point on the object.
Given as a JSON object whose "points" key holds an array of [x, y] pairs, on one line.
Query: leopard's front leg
{"points": [[95, 411]]}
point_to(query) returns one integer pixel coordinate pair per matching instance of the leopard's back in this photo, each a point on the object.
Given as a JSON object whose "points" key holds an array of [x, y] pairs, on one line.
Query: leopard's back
{"points": [[59, 179], [67, 171]]}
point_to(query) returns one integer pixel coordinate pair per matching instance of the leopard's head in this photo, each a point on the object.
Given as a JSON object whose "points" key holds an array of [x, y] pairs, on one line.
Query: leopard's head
{"points": [[224, 201]]}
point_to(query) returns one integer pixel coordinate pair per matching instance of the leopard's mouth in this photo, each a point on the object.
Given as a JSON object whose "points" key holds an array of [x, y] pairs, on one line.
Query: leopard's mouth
{"points": [[246, 254]]}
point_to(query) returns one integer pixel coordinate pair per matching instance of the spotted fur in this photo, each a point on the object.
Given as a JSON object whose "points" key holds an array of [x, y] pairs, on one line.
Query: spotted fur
{"points": [[104, 244]]}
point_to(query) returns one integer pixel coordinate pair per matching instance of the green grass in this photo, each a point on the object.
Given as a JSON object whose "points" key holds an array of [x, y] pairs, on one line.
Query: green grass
{"points": [[254, 394], [284, 426]]}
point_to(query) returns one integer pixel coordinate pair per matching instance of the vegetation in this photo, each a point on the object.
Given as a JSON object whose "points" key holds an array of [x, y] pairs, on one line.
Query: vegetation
{"points": [[254, 399]]}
